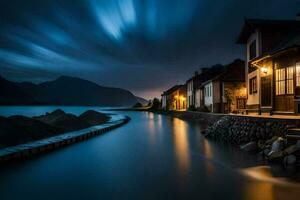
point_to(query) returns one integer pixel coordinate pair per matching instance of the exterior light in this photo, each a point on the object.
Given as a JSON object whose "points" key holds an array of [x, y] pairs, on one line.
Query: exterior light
{"points": [[264, 70]]}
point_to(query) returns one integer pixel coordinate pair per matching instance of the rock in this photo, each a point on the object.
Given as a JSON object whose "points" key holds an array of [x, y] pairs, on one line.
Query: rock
{"points": [[275, 155], [291, 149], [251, 146], [266, 152], [278, 145], [261, 144], [273, 139], [290, 160]]}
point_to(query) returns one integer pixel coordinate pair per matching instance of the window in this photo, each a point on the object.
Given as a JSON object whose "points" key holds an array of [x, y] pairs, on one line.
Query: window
{"points": [[253, 85], [252, 50], [297, 74], [280, 81], [208, 90], [290, 80]]}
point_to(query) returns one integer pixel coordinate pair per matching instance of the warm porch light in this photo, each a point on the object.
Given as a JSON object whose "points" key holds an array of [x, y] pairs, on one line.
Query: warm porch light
{"points": [[182, 98], [264, 70]]}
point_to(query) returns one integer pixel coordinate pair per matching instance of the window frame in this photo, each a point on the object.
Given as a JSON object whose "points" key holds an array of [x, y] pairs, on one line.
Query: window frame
{"points": [[297, 74], [285, 80], [280, 80], [253, 85], [289, 80]]}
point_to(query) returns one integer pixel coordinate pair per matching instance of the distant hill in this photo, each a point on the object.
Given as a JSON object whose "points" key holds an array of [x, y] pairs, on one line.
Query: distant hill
{"points": [[142, 100], [66, 91], [11, 94]]}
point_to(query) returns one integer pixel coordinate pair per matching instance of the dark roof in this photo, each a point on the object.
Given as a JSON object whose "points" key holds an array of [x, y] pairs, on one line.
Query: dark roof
{"points": [[290, 41], [233, 72], [172, 89], [207, 74], [251, 24]]}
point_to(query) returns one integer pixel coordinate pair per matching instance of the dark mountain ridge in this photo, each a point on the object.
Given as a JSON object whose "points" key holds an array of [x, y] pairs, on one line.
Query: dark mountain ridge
{"points": [[65, 91], [11, 94]]}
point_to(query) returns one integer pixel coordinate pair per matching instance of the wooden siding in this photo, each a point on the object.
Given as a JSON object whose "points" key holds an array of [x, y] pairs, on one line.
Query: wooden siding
{"points": [[284, 103]]}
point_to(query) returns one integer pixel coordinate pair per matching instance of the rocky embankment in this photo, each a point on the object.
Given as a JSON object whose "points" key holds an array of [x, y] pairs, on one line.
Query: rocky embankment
{"points": [[16, 130], [261, 135]]}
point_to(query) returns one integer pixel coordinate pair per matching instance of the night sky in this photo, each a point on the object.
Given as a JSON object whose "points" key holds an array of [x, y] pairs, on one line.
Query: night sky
{"points": [[145, 46]]}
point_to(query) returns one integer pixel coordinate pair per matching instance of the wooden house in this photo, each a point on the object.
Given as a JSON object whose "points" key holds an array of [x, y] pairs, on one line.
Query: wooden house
{"points": [[272, 66], [175, 98], [226, 92]]}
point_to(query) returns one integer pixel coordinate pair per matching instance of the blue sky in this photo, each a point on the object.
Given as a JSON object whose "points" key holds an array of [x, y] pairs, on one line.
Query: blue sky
{"points": [[144, 46]]}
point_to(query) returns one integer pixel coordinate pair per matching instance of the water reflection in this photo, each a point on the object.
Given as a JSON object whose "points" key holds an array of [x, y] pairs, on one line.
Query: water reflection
{"points": [[153, 156], [208, 153], [181, 146], [154, 126], [263, 185]]}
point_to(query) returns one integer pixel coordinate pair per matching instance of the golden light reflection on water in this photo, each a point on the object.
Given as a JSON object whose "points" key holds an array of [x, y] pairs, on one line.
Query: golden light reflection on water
{"points": [[154, 124], [264, 186], [181, 145], [208, 153], [259, 191]]}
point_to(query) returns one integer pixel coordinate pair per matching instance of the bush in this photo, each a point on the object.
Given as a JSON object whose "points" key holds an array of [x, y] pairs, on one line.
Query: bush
{"points": [[137, 105], [155, 104]]}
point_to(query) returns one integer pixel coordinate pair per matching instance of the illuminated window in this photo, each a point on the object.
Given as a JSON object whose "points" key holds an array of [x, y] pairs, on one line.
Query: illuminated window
{"points": [[280, 81], [290, 80], [297, 74], [253, 85]]}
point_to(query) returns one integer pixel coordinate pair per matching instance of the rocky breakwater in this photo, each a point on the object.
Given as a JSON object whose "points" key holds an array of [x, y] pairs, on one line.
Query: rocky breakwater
{"points": [[51, 131], [264, 136]]}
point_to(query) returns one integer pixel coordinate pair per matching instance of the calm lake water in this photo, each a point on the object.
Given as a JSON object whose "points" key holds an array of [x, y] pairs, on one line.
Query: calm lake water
{"points": [[151, 157]]}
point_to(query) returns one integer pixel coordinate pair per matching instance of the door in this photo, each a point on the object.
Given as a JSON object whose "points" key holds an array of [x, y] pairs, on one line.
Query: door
{"points": [[266, 91]]}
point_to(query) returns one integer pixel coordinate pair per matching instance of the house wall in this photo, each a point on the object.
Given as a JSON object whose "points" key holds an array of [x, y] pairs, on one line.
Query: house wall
{"points": [[177, 99], [164, 102], [253, 100], [216, 92], [287, 102], [190, 94], [282, 102], [198, 98], [232, 91], [208, 99]]}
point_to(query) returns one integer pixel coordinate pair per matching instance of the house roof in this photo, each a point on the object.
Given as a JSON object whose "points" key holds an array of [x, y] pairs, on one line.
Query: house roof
{"points": [[206, 74], [172, 89], [233, 72], [251, 24], [291, 40]]}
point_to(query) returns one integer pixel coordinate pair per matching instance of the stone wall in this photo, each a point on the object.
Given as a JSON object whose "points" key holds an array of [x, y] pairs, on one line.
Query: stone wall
{"points": [[205, 119], [240, 130]]}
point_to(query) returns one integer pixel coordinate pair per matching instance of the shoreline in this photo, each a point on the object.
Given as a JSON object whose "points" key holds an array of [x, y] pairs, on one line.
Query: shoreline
{"points": [[38, 147]]}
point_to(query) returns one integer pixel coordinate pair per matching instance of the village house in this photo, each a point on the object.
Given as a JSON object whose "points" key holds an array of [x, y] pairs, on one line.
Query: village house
{"points": [[194, 94], [272, 65], [175, 98], [192, 84], [226, 92]]}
